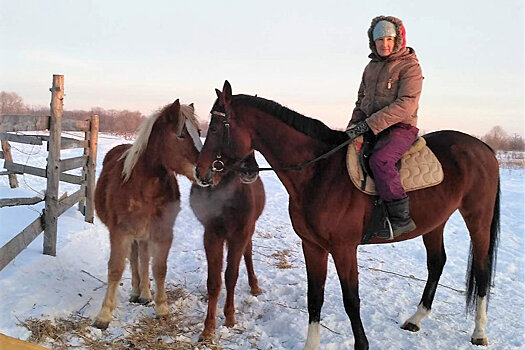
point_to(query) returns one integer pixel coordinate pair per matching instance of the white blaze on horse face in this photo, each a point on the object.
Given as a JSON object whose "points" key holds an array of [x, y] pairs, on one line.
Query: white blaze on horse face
{"points": [[313, 339], [480, 320], [194, 133]]}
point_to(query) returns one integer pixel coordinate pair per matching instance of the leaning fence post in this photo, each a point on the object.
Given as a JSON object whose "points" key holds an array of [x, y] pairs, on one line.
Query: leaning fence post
{"points": [[91, 167], [53, 165], [13, 181]]}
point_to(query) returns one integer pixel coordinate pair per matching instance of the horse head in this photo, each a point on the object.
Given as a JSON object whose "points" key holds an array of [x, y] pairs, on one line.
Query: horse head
{"points": [[169, 139], [227, 144]]}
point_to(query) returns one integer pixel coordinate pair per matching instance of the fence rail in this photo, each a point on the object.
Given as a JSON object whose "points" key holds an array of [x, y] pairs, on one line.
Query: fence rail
{"points": [[54, 172]]}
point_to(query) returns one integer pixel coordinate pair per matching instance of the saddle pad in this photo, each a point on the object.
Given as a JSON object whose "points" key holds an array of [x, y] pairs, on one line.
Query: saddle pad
{"points": [[419, 167]]}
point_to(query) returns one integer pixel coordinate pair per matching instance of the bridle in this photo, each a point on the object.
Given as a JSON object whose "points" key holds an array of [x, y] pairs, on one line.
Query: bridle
{"points": [[218, 165]]}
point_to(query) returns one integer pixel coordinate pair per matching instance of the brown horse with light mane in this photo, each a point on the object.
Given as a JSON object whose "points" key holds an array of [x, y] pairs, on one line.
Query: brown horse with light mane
{"points": [[137, 197], [330, 214], [228, 213]]}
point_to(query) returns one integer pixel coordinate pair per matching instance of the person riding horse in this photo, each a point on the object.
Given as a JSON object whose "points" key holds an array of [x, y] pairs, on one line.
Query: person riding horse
{"points": [[387, 106]]}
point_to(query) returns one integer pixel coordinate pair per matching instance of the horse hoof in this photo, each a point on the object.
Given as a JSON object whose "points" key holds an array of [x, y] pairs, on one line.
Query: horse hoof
{"points": [[162, 311], [256, 291], [103, 325], [206, 337], [143, 301], [408, 326], [230, 322], [480, 341]]}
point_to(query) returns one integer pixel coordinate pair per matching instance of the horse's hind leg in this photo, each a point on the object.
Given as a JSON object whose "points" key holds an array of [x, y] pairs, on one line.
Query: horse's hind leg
{"points": [[120, 246], [160, 258], [480, 270], [213, 245], [252, 278], [144, 257], [436, 259], [135, 278]]}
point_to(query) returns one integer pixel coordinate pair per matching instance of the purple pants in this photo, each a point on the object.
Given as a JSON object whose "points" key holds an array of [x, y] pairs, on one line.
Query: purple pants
{"points": [[383, 161]]}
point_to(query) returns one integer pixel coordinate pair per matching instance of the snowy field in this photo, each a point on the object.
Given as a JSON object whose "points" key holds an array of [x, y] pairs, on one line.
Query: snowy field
{"points": [[391, 276]]}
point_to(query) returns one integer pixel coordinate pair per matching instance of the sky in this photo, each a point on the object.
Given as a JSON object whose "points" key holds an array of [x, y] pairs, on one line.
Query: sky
{"points": [[307, 55]]}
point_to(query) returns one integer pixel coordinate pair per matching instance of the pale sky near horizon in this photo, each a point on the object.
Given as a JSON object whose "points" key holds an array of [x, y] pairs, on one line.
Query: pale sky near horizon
{"points": [[306, 55]]}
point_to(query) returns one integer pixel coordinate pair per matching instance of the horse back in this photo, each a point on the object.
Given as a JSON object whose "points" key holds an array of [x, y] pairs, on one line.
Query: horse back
{"points": [[469, 164]]}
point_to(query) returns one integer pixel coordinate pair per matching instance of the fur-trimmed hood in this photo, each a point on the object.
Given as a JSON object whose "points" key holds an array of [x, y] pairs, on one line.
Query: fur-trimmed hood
{"points": [[400, 33]]}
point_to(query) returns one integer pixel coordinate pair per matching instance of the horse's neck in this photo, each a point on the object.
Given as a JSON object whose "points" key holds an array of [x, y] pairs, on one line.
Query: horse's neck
{"points": [[283, 146]]}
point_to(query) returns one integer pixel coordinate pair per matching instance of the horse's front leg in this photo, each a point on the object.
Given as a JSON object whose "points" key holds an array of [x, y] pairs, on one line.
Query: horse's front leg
{"points": [[213, 245], [316, 259], [345, 259], [120, 246], [159, 268], [236, 247]]}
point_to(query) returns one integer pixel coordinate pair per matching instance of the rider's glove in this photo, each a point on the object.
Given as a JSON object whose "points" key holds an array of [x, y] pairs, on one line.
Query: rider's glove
{"points": [[357, 129]]}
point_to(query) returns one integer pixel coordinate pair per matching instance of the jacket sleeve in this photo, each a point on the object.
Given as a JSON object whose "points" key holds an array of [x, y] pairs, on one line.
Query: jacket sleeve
{"points": [[357, 114], [405, 104]]}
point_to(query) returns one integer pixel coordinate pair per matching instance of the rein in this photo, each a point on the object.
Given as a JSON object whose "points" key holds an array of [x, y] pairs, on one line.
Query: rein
{"points": [[218, 165]]}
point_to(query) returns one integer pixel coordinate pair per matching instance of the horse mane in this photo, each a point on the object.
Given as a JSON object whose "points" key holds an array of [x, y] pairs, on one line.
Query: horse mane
{"points": [[308, 126], [132, 154]]}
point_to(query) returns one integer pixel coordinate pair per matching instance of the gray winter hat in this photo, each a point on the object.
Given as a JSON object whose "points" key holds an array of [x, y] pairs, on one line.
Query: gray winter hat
{"points": [[384, 28]]}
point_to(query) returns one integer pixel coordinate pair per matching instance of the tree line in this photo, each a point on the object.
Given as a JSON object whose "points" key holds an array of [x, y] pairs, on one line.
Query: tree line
{"points": [[121, 122], [126, 123]]}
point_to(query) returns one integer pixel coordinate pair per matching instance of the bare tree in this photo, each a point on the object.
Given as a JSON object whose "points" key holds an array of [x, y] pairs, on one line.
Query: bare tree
{"points": [[496, 138], [11, 103]]}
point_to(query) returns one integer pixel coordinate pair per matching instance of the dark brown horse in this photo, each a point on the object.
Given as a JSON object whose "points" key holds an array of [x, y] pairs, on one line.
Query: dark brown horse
{"points": [[330, 214], [137, 197], [228, 213]]}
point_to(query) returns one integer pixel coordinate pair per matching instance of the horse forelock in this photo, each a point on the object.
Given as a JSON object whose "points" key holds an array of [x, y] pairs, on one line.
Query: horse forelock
{"points": [[132, 155], [306, 125], [187, 113]]}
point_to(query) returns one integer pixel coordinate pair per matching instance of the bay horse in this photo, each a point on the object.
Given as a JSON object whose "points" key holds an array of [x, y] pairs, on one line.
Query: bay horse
{"points": [[330, 214], [137, 197], [228, 212]]}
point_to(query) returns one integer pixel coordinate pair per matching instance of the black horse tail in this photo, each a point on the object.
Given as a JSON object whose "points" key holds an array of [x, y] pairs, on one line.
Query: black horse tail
{"points": [[479, 282]]}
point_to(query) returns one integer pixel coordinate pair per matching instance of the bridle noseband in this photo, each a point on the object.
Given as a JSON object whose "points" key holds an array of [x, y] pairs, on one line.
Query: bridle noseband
{"points": [[218, 165]]}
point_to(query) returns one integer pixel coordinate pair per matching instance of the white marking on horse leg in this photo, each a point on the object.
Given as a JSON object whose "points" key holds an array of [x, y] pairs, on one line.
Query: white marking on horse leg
{"points": [[420, 314], [480, 320], [313, 339]]}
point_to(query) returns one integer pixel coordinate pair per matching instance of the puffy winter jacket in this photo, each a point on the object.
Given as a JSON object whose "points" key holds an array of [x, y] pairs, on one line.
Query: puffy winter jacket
{"points": [[390, 88]]}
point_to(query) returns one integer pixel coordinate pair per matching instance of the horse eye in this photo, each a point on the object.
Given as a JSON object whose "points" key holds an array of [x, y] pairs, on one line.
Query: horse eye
{"points": [[213, 129], [181, 136]]}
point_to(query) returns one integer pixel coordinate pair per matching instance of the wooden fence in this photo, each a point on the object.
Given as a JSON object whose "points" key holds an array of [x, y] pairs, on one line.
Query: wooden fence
{"points": [[54, 172]]}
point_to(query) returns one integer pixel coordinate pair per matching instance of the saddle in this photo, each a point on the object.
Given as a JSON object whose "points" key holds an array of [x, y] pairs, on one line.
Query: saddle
{"points": [[418, 168]]}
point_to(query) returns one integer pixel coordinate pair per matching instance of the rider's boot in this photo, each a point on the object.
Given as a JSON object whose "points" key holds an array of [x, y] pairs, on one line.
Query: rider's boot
{"points": [[389, 220]]}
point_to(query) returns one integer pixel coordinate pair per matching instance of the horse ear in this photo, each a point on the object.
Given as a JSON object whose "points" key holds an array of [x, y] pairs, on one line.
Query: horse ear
{"points": [[174, 110], [218, 92], [192, 106], [226, 96]]}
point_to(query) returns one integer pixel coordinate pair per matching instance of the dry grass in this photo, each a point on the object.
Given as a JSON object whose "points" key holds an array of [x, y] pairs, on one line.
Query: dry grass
{"points": [[174, 332], [282, 256]]}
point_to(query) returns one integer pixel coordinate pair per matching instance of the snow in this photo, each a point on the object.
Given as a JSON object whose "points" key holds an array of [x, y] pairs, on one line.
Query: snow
{"points": [[391, 276]]}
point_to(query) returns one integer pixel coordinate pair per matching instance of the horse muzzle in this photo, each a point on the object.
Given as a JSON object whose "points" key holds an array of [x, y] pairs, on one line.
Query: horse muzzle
{"points": [[205, 181]]}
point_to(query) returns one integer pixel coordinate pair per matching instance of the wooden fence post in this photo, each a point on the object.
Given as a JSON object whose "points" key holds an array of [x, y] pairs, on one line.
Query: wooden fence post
{"points": [[53, 165], [13, 181], [91, 170]]}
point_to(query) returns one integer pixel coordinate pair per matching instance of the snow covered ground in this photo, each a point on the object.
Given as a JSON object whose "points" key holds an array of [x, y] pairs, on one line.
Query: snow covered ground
{"points": [[391, 276]]}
